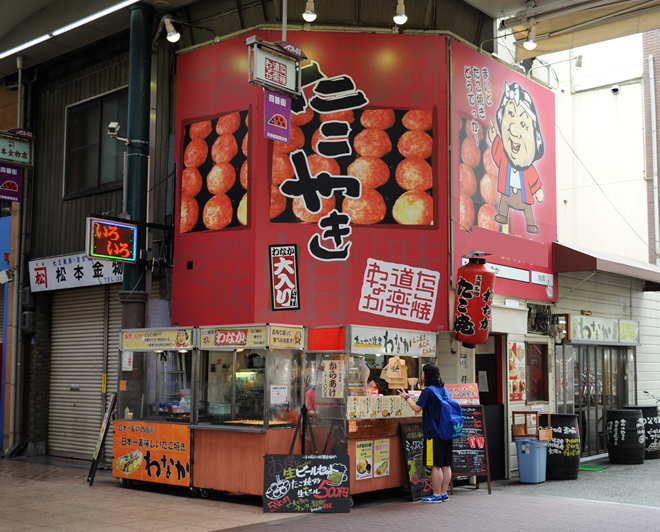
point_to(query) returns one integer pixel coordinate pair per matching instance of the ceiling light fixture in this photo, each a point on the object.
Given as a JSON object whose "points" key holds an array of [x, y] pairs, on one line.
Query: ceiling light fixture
{"points": [[100, 14], [578, 63], [400, 17], [24, 46], [530, 42], [310, 14], [172, 34]]}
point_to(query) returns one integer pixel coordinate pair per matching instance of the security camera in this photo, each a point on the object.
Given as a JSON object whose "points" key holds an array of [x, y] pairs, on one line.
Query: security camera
{"points": [[615, 89], [113, 129]]}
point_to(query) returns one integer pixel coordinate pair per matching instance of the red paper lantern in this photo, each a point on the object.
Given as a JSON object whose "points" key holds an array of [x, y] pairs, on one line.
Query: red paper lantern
{"points": [[475, 288]]}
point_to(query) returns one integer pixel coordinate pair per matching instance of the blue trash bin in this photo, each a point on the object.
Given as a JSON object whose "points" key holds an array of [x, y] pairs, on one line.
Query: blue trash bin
{"points": [[532, 456]]}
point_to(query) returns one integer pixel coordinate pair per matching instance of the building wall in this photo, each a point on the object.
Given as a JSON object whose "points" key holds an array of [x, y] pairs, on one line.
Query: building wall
{"points": [[651, 47]]}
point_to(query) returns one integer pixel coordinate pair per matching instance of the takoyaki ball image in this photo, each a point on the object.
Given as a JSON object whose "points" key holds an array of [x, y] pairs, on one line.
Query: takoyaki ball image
{"points": [[373, 143], [300, 119], [189, 213], [224, 149], [244, 146], [467, 181], [417, 143], [218, 212], [413, 208], [317, 164], [372, 171], [489, 162], [191, 182], [282, 169], [241, 212], [470, 152], [200, 130], [221, 178], [418, 120], [339, 116], [366, 210], [378, 118], [486, 217], [414, 173], [196, 152], [470, 133], [318, 136], [228, 124], [466, 218], [296, 141], [488, 189], [277, 202], [327, 204], [244, 175]]}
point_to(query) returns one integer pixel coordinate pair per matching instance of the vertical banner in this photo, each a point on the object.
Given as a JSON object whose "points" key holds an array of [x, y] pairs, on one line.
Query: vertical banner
{"points": [[333, 379], [284, 285], [364, 458], [517, 379], [277, 116], [382, 458]]}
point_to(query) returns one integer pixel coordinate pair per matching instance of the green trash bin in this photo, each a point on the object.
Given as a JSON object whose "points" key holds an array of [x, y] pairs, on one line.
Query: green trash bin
{"points": [[532, 458]]}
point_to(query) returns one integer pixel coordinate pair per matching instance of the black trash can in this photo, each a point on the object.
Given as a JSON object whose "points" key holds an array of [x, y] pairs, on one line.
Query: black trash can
{"points": [[625, 436], [651, 430], [563, 462]]}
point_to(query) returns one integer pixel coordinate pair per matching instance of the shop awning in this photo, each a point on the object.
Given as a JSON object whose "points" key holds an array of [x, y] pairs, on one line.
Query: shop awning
{"points": [[578, 259]]}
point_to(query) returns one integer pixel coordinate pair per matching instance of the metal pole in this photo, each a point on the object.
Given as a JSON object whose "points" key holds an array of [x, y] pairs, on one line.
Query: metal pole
{"points": [[284, 14], [654, 144]]}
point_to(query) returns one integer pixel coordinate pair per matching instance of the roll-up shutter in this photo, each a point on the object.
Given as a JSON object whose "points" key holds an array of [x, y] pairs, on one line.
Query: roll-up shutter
{"points": [[78, 338]]}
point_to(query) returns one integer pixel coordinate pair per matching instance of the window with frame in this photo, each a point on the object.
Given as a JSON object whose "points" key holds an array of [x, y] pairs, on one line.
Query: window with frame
{"points": [[94, 160], [537, 373]]}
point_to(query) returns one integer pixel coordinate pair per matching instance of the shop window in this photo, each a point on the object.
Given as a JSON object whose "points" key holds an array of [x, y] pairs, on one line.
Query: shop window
{"points": [[94, 160], [537, 373]]}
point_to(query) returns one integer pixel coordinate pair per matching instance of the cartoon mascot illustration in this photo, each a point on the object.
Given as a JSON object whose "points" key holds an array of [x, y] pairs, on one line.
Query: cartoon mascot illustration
{"points": [[516, 148]]}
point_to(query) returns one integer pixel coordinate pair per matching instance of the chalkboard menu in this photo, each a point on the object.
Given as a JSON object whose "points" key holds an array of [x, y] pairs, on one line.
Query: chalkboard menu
{"points": [[470, 456], [419, 476], [297, 483]]}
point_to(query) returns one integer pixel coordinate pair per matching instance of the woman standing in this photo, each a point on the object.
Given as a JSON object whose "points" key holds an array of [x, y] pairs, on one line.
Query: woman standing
{"points": [[437, 452]]}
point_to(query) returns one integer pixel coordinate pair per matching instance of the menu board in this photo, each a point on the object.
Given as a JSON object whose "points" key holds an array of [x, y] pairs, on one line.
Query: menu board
{"points": [[419, 476], [516, 371], [297, 483], [470, 456]]}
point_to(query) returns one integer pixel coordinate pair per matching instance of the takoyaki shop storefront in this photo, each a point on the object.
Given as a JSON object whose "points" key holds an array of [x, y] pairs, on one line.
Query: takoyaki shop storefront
{"points": [[201, 407]]}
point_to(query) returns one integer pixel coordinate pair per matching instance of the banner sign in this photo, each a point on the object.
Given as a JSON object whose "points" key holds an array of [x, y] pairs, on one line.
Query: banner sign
{"points": [[286, 337], [246, 337], [15, 150], [376, 341], [11, 178], [296, 483], [284, 284], [592, 329], [464, 394], [152, 340], [152, 452], [277, 116], [72, 271]]}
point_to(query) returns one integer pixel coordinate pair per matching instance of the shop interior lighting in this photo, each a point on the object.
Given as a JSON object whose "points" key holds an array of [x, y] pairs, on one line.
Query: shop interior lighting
{"points": [[159, 351], [530, 42], [310, 14], [68, 27], [183, 350], [400, 17]]}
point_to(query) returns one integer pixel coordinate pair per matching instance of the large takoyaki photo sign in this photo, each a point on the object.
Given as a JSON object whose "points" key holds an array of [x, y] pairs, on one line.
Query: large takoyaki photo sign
{"points": [[504, 189], [361, 187]]}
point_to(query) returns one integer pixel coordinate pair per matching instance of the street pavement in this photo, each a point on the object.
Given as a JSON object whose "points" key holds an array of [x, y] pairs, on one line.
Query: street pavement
{"points": [[38, 494]]}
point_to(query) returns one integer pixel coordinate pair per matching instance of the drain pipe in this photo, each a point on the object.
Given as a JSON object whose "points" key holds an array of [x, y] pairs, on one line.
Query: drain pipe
{"points": [[15, 400], [654, 144]]}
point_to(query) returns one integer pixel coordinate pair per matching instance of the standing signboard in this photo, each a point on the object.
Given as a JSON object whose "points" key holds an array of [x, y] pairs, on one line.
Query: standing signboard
{"points": [[103, 434], [419, 476], [296, 483], [470, 454]]}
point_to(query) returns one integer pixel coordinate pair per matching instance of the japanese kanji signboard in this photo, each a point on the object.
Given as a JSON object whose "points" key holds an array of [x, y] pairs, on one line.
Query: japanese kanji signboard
{"points": [[154, 339], [10, 182], [15, 149], [72, 271], [285, 291], [296, 483], [334, 379], [111, 240], [377, 341], [152, 452], [245, 337], [277, 116]]}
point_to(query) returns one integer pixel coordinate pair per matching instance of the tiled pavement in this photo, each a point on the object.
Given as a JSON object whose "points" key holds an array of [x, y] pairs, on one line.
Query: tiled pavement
{"points": [[54, 495]]}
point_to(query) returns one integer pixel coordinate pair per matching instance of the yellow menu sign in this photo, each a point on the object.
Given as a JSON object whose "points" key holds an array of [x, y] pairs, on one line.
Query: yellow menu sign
{"points": [[287, 337], [153, 339], [219, 338]]}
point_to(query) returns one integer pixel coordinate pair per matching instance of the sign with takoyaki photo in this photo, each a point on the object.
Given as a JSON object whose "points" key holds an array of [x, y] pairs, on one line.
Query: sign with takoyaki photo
{"points": [[151, 452], [214, 179], [382, 458], [503, 167], [364, 458]]}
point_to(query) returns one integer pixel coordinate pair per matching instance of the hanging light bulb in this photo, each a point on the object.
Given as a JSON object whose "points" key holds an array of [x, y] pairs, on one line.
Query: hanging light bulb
{"points": [[400, 17], [172, 34], [530, 42], [309, 15]]}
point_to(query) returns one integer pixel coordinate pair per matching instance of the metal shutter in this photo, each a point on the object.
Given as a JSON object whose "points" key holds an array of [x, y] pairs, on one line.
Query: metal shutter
{"points": [[77, 345]]}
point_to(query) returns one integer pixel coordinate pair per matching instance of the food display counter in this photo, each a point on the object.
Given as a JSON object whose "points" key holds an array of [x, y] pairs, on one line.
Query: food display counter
{"points": [[358, 370]]}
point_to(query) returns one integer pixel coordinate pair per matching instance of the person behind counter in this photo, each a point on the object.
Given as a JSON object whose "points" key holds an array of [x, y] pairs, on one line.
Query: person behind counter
{"points": [[438, 452]]}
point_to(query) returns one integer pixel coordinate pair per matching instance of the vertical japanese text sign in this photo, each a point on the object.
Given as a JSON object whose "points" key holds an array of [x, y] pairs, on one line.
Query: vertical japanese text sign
{"points": [[284, 285]]}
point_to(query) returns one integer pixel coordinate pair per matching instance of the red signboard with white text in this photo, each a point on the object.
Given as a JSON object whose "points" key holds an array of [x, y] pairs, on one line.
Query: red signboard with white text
{"points": [[504, 189], [361, 190]]}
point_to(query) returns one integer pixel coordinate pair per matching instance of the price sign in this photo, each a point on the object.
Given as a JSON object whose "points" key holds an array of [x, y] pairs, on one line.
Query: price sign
{"points": [[109, 240]]}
